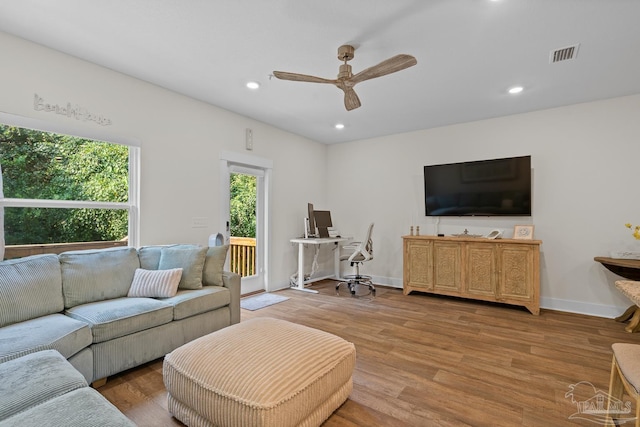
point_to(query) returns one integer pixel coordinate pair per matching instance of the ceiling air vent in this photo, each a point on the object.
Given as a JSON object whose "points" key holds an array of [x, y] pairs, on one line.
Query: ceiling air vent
{"points": [[564, 54]]}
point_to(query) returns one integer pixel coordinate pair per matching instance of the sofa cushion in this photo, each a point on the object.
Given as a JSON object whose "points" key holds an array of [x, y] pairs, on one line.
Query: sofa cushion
{"points": [[150, 257], [83, 362], [214, 265], [155, 283], [121, 316], [84, 407], [55, 331], [97, 275], [30, 287], [188, 257], [35, 378], [188, 303]]}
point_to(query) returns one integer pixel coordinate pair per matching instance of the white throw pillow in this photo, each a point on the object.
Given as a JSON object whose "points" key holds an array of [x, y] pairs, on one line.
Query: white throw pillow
{"points": [[155, 283]]}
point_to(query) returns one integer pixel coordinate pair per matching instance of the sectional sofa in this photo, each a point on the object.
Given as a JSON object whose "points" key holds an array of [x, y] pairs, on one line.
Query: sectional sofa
{"points": [[81, 304], [68, 320], [46, 390]]}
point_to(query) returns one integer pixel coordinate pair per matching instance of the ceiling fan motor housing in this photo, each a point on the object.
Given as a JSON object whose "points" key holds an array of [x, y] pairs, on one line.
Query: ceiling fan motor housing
{"points": [[346, 52], [345, 72]]}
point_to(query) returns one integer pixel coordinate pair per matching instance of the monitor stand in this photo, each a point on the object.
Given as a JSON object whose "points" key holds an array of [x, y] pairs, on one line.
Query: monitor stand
{"points": [[323, 231]]}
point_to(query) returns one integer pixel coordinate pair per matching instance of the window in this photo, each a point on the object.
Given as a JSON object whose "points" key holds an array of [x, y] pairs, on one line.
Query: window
{"points": [[59, 188]]}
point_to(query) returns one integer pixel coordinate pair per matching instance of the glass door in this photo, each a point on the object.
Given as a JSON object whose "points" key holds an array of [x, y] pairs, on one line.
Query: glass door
{"points": [[244, 198]]}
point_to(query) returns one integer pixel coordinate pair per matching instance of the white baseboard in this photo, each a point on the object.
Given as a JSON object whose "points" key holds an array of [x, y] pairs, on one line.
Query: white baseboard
{"points": [[569, 306], [387, 281], [580, 307]]}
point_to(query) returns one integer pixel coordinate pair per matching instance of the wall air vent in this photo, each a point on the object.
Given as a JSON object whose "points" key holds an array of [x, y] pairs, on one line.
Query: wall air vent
{"points": [[564, 54]]}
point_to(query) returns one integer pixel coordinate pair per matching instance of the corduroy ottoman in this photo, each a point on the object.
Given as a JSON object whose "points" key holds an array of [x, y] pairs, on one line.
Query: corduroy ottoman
{"points": [[260, 372]]}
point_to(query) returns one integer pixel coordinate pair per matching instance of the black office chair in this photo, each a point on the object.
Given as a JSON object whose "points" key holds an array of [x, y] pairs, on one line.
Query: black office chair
{"points": [[360, 252]]}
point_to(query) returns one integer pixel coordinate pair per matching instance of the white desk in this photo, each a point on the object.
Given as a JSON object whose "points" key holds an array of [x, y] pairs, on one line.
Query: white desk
{"points": [[300, 282]]}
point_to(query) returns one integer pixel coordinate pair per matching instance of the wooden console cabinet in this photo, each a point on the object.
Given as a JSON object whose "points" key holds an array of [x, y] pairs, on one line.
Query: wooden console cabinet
{"points": [[501, 270]]}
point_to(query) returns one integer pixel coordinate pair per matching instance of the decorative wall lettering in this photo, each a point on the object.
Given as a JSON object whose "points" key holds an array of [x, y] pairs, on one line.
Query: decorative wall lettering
{"points": [[77, 112]]}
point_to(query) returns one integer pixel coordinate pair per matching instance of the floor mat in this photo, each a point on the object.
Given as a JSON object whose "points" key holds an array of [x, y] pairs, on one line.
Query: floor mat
{"points": [[261, 301]]}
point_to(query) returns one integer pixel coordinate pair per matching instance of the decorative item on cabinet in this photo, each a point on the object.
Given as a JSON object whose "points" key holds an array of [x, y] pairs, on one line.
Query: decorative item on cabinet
{"points": [[524, 232]]}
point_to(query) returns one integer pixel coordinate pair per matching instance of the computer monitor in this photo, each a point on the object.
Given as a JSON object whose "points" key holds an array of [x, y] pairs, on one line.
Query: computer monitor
{"points": [[323, 222], [311, 225]]}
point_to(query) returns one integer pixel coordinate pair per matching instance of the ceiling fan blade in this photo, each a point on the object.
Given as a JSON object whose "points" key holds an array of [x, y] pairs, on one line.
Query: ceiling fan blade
{"points": [[351, 100], [391, 65], [301, 77]]}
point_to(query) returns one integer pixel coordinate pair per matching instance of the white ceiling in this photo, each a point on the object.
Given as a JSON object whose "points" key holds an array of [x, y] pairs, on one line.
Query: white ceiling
{"points": [[469, 53]]}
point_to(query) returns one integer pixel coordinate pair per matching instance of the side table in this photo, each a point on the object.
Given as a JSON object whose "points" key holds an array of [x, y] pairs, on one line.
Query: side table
{"points": [[629, 269]]}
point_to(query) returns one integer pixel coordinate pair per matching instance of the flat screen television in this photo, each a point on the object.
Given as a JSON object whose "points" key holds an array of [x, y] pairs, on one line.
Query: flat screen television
{"points": [[496, 187]]}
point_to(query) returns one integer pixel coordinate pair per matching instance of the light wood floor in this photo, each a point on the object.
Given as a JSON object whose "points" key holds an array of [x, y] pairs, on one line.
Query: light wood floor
{"points": [[432, 361]]}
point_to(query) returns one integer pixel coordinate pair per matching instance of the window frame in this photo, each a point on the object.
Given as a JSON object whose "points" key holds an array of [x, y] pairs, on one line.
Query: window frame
{"points": [[132, 206]]}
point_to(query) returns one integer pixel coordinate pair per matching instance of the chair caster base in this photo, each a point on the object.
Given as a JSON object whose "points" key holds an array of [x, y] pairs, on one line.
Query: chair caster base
{"points": [[352, 286]]}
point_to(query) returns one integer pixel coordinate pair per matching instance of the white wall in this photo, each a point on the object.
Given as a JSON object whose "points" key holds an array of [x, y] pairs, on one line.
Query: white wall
{"points": [[584, 166], [585, 177], [181, 140]]}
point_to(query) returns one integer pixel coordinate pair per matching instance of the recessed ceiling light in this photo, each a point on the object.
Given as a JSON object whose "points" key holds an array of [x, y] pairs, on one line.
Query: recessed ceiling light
{"points": [[339, 126], [253, 85], [516, 89]]}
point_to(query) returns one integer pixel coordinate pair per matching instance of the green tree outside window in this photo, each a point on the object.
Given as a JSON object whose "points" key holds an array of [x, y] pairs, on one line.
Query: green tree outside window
{"points": [[242, 207], [43, 165]]}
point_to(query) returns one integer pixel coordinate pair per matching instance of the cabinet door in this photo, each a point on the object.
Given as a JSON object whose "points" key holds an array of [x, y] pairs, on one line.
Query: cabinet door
{"points": [[516, 272], [418, 268], [447, 258], [480, 273]]}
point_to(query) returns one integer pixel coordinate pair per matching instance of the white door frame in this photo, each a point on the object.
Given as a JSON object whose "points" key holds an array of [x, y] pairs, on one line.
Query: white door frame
{"points": [[237, 161]]}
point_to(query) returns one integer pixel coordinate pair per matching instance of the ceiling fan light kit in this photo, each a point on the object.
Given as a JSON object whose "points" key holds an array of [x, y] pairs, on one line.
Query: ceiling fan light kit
{"points": [[346, 80]]}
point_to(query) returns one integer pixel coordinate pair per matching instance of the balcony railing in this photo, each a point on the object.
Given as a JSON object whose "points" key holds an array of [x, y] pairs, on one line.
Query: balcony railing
{"points": [[19, 251], [242, 256]]}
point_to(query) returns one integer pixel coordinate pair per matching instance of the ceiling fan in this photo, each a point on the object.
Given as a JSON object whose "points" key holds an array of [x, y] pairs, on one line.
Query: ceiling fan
{"points": [[346, 80]]}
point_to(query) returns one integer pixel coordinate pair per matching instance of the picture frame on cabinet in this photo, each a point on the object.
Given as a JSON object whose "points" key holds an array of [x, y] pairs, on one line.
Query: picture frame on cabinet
{"points": [[523, 232]]}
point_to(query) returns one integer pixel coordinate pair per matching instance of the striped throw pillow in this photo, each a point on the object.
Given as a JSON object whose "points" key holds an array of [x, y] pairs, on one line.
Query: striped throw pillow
{"points": [[155, 283]]}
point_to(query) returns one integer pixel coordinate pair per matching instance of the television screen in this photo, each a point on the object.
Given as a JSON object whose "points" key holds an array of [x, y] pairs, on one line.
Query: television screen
{"points": [[482, 188]]}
